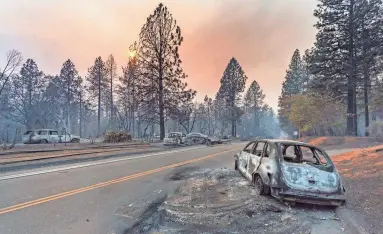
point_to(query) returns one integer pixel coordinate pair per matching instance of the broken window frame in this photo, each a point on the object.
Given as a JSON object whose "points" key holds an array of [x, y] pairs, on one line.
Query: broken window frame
{"points": [[252, 144], [328, 165], [260, 150]]}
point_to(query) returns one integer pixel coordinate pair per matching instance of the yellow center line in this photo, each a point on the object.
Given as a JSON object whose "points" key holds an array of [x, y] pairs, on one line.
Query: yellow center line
{"points": [[103, 184]]}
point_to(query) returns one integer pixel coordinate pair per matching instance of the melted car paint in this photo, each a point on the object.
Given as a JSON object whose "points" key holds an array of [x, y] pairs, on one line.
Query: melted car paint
{"points": [[309, 178]]}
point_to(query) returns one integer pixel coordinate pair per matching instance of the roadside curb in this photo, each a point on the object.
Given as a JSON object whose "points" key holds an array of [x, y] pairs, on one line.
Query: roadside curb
{"points": [[64, 149], [69, 155]]}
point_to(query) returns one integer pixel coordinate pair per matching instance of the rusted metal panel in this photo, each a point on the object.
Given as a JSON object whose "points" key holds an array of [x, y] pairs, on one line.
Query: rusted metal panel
{"points": [[309, 178]]}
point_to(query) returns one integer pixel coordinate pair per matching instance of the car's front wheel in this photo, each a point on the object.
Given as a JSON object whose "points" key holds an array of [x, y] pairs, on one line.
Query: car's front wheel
{"points": [[43, 141]]}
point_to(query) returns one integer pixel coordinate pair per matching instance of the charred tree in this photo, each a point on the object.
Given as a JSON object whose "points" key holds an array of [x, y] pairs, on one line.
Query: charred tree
{"points": [[161, 73]]}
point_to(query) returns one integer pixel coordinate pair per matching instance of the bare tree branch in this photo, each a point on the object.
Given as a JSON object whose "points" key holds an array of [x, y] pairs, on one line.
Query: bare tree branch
{"points": [[13, 62]]}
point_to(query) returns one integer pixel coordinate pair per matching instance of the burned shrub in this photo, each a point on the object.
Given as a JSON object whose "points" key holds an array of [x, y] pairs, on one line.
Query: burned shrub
{"points": [[116, 137]]}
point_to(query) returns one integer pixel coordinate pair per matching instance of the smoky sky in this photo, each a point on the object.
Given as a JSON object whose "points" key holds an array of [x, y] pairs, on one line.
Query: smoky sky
{"points": [[261, 34], [262, 38]]}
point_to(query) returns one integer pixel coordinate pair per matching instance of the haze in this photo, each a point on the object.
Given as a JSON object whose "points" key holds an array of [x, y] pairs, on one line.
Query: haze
{"points": [[262, 35]]}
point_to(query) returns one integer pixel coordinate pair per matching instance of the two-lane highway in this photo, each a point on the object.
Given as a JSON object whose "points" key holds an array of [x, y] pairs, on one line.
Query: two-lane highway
{"points": [[91, 198]]}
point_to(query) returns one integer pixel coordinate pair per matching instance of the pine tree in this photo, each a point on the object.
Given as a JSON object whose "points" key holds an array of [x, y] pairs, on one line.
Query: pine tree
{"points": [[348, 44], [208, 106], [160, 64], [26, 94], [111, 67], [307, 77], [229, 94], [98, 84], [336, 65], [254, 101], [293, 85], [128, 100], [54, 104], [370, 48], [69, 86]]}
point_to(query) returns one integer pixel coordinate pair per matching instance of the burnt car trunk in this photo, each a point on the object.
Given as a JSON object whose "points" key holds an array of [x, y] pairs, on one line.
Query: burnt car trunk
{"points": [[307, 182]]}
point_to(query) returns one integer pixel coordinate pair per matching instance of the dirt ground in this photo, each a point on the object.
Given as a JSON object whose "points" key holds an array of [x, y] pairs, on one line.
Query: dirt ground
{"points": [[222, 201], [329, 142], [362, 172]]}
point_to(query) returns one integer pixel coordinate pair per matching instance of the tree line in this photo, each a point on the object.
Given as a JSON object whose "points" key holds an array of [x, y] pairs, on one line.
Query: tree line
{"points": [[335, 87], [149, 96]]}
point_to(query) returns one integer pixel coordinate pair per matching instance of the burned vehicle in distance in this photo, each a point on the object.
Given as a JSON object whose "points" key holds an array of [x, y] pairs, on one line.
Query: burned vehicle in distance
{"points": [[291, 171]]}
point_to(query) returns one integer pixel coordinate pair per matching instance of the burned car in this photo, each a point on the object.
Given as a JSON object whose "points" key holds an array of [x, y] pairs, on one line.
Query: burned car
{"points": [[291, 171]]}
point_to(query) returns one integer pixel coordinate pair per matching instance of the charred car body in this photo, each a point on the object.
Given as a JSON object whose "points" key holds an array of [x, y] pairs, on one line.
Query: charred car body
{"points": [[199, 138], [175, 138], [291, 171]]}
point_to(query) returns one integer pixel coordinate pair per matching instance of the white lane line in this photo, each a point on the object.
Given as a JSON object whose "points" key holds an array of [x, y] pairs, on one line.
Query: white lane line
{"points": [[32, 173]]}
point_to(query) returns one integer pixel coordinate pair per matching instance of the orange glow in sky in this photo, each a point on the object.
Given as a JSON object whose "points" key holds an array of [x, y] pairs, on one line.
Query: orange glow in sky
{"points": [[261, 34]]}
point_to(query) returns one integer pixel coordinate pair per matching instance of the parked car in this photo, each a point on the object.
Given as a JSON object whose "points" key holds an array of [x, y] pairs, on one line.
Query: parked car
{"points": [[174, 138], [291, 171], [48, 136], [197, 138]]}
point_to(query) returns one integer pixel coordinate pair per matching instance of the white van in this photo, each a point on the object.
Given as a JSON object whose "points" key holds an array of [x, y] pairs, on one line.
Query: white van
{"points": [[48, 136]]}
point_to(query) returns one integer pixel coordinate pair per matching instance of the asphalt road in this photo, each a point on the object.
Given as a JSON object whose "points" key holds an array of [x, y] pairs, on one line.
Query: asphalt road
{"points": [[92, 198]]}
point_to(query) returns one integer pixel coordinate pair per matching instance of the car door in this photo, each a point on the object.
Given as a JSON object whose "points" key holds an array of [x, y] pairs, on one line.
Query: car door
{"points": [[183, 138], [267, 165], [244, 156], [43, 136], [54, 136], [64, 136], [255, 158]]}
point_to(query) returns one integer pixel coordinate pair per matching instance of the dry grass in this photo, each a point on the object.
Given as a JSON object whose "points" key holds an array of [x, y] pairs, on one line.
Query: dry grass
{"points": [[362, 172], [358, 142], [361, 163]]}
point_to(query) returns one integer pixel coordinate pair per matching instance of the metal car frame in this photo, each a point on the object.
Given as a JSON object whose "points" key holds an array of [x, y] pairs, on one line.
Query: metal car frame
{"points": [[264, 170]]}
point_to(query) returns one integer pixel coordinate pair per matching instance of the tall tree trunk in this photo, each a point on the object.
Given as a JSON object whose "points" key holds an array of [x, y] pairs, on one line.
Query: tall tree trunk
{"points": [[162, 117], [351, 79], [208, 119], [366, 111], [161, 87], [366, 83], [99, 104], [80, 115], [233, 128], [111, 120], [133, 105], [68, 107], [29, 120]]}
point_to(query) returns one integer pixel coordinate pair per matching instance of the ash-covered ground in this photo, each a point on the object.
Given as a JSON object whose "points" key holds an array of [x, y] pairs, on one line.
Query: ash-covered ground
{"points": [[222, 201]]}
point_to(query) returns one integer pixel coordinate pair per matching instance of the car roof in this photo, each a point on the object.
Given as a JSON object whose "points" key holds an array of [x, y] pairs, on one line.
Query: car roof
{"points": [[287, 142]]}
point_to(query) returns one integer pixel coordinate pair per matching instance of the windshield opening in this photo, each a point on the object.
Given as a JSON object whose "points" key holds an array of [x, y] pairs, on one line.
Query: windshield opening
{"points": [[303, 155], [172, 135]]}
